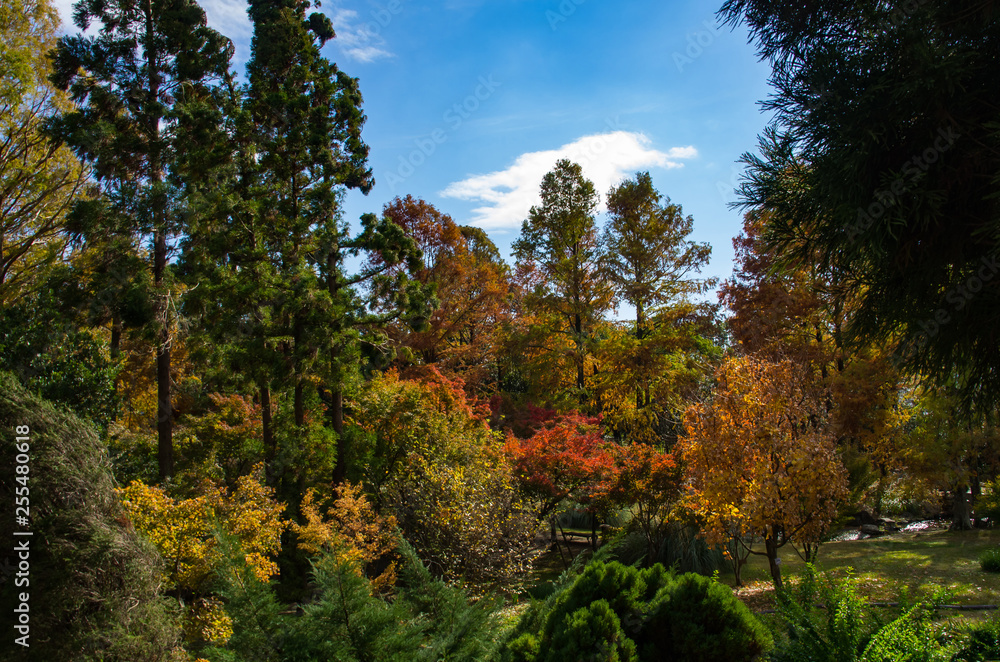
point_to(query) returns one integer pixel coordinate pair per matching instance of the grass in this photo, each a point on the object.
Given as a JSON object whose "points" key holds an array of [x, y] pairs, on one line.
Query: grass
{"points": [[924, 562]]}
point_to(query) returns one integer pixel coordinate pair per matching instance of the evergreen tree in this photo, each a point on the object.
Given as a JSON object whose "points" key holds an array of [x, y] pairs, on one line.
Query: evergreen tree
{"points": [[882, 170], [131, 82], [559, 239], [268, 258]]}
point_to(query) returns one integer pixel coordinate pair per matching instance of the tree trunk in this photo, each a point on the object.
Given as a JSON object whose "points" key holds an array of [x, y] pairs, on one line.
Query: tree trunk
{"points": [[164, 410], [300, 407], [270, 448], [337, 421], [961, 517], [580, 360], [773, 562]]}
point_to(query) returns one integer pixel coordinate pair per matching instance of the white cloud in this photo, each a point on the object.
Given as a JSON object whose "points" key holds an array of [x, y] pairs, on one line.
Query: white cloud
{"points": [[606, 158], [228, 17], [361, 41]]}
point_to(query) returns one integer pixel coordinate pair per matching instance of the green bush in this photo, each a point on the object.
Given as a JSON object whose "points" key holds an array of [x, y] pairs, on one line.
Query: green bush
{"points": [[847, 629], [612, 611], [428, 620], [983, 643], [696, 618], [93, 583], [56, 360], [990, 560]]}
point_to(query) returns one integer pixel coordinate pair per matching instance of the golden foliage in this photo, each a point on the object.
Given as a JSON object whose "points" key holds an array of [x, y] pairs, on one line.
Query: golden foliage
{"points": [[206, 620], [351, 529], [183, 530], [761, 455]]}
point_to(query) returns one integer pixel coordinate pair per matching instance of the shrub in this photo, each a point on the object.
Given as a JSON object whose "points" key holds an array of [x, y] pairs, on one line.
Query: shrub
{"points": [[427, 620], [695, 618], [848, 629], [983, 643], [622, 613], [94, 582], [990, 560]]}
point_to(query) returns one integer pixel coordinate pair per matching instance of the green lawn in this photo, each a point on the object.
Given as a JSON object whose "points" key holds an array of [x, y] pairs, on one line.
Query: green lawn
{"points": [[923, 561]]}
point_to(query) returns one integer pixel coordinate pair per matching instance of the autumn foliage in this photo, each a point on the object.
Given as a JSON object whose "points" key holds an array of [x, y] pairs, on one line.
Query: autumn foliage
{"points": [[350, 528], [566, 459], [760, 457]]}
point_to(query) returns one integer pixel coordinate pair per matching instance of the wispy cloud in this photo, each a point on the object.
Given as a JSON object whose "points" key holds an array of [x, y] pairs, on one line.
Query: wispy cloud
{"points": [[228, 17], [361, 41], [357, 39], [607, 158]]}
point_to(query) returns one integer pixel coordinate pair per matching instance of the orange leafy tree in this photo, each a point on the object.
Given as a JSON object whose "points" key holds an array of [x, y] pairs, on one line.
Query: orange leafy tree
{"points": [[472, 284], [648, 481], [761, 460], [565, 459]]}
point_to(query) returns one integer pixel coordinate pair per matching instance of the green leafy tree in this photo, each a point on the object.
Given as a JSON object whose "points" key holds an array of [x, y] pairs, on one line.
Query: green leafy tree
{"points": [[39, 177], [652, 265], [559, 243], [648, 256], [131, 83]]}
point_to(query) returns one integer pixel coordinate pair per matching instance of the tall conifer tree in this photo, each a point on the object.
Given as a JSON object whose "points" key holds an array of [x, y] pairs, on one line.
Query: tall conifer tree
{"points": [[131, 83]]}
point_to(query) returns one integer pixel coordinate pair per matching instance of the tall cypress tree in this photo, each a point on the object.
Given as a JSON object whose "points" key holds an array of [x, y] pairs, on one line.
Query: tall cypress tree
{"points": [[131, 83], [268, 246]]}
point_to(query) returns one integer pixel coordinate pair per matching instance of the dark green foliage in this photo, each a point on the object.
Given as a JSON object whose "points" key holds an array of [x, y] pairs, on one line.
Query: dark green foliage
{"points": [[347, 623], [882, 170], [425, 620], [990, 560], [848, 629], [681, 549], [55, 359], [617, 612], [93, 583], [137, 84], [983, 643], [455, 628], [697, 618]]}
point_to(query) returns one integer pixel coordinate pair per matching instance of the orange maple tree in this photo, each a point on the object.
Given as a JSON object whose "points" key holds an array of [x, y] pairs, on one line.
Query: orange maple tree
{"points": [[567, 458], [648, 481], [472, 286], [761, 459]]}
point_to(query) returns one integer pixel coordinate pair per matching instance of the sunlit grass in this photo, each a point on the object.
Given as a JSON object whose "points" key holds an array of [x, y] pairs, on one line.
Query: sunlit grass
{"points": [[922, 563]]}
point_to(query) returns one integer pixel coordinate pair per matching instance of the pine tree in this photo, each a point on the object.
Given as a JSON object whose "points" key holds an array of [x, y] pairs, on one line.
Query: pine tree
{"points": [[131, 83]]}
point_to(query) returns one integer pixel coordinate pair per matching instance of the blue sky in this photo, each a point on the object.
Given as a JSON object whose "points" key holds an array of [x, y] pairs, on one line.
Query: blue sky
{"points": [[470, 102]]}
